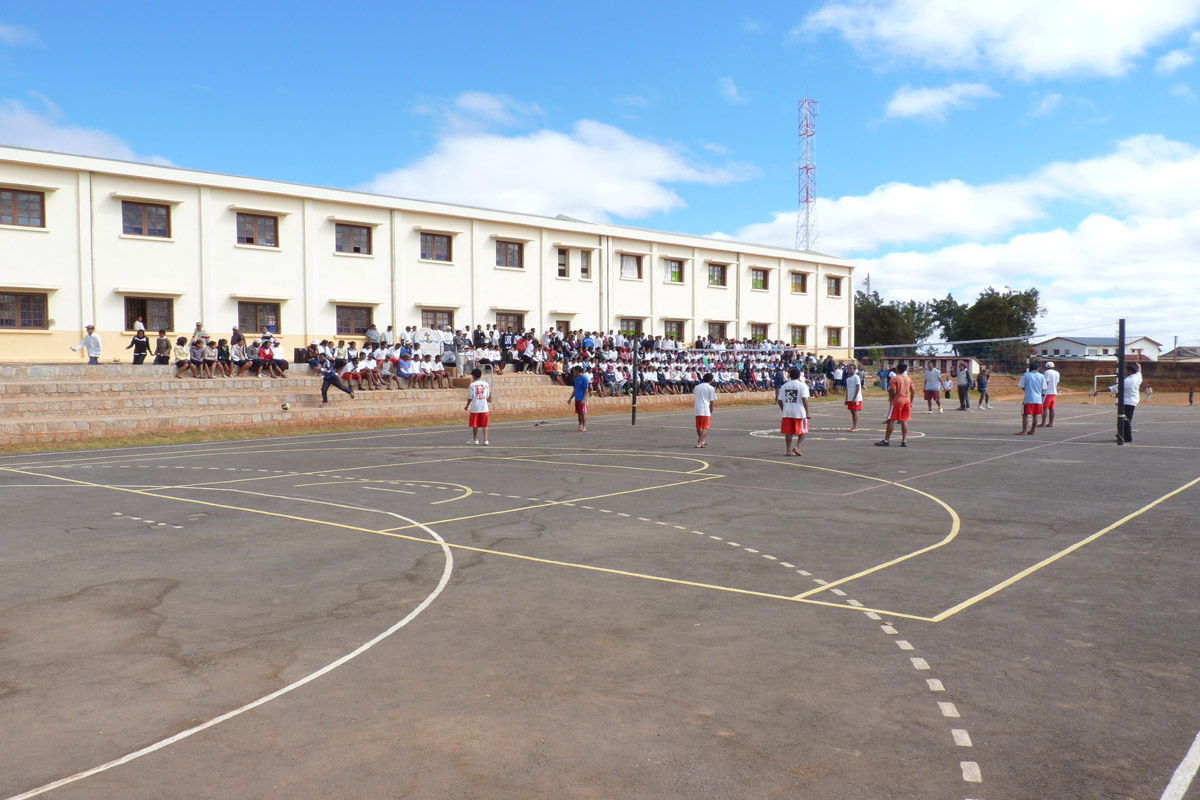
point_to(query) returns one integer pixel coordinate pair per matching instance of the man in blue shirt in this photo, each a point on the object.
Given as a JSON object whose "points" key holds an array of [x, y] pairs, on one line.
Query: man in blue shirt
{"points": [[579, 396], [1034, 384]]}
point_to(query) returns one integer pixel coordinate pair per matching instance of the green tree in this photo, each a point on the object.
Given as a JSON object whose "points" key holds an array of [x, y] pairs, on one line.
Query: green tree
{"points": [[951, 316], [878, 323]]}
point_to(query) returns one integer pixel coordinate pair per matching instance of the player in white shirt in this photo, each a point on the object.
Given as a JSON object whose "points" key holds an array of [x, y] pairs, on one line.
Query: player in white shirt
{"points": [[478, 394], [792, 400], [933, 388], [438, 376], [1133, 385], [425, 372], [706, 398], [854, 395], [1049, 394]]}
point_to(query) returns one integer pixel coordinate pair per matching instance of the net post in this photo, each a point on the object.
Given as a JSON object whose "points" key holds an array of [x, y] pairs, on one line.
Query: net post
{"points": [[1120, 381], [636, 378]]}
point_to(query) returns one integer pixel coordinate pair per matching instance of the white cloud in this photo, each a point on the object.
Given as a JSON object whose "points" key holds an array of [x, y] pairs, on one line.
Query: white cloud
{"points": [[592, 172], [730, 91], [1184, 92], [1026, 38], [933, 103], [1047, 105], [1174, 61], [22, 127], [14, 35], [480, 110]]}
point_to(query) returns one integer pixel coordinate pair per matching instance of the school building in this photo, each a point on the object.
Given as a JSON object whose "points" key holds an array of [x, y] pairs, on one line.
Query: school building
{"points": [[97, 241]]}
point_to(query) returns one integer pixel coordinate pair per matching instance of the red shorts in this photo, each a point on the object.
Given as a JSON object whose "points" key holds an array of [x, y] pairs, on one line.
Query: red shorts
{"points": [[902, 413], [932, 394], [793, 425], [1032, 409], [1048, 402], [581, 406], [703, 423], [479, 420], [855, 406]]}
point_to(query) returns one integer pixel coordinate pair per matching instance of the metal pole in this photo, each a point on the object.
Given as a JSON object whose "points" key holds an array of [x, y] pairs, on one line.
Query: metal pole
{"points": [[1120, 381], [635, 373]]}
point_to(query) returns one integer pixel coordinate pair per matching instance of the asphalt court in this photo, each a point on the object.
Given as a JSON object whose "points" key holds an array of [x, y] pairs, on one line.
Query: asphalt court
{"points": [[611, 614]]}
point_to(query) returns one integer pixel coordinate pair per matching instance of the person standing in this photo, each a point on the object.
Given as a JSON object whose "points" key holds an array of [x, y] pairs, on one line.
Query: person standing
{"points": [[933, 387], [1049, 393], [792, 400], [91, 345], [706, 399], [985, 397], [854, 394], [162, 349], [1133, 386], [329, 377], [579, 390], [1034, 384], [478, 394], [964, 384], [900, 399], [141, 346]]}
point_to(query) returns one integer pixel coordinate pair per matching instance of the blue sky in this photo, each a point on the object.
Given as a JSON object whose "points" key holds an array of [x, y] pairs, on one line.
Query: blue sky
{"points": [[1048, 144]]}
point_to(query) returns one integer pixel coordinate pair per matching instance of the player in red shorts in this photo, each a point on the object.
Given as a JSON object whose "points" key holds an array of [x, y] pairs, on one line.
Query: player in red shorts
{"points": [[854, 395], [478, 394], [1034, 384], [900, 398], [705, 398], [792, 400]]}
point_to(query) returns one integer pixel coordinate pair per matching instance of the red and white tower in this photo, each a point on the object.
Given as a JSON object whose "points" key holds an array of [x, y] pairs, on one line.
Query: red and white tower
{"points": [[806, 219]]}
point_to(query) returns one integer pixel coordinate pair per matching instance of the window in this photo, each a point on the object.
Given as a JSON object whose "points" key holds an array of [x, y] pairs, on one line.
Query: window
{"points": [[758, 332], [352, 239], [1055, 352], [631, 266], [716, 275], [432, 317], [145, 219], [585, 264], [674, 329], [436, 247], [23, 311], [834, 286], [157, 314], [716, 330], [353, 320], [510, 254], [673, 270], [22, 208], [564, 263], [833, 337], [514, 321], [760, 279], [800, 283], [257, 230], [630, 326], [253, 316], [799, 334]]}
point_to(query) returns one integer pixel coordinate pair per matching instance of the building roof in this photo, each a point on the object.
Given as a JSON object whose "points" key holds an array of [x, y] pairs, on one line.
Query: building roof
{"points": [[1095, 341], [1183, 351]]}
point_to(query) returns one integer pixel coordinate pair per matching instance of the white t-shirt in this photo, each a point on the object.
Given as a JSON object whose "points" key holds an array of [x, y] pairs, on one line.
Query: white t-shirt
{"points": [[933, 380], [853, 388], [792, 393], [1052, 377], [1133, 385], [705, 395], [478, 394]]}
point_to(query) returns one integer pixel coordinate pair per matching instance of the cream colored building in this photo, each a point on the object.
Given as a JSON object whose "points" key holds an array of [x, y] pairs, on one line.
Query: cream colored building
{"points": [[89, 240]]}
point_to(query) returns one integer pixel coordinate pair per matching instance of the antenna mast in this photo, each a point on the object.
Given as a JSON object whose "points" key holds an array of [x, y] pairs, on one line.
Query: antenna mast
{"points": [[806, 219]]}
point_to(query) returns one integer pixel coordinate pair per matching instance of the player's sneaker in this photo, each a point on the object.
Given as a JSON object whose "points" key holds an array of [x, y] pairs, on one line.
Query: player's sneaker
{"points": [[939, 409]]}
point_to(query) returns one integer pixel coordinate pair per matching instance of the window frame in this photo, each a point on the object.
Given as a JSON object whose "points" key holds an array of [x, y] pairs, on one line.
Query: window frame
{"points": [[677, 335], [585, 265], [348, 329], [759, 275], [723, 271], [803, 276], [669, 270], [756, 328], [432, 317], [132, 312], [510, 319], [833, 285], [506, 246], [130, 205], [352, 230], [721, 327], [802, 330], [14, 207], [256, 218], [637, 260], [254, 328], [638, 328], [19, 312], [434, 240], [564, 262], [833, 337]]}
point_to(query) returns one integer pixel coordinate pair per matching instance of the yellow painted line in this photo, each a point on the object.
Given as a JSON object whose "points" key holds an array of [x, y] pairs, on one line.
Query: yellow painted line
{"points": [[299, 485], [1025, 573], [307, 474], [469, 491], [610, 466], [468, 548]]}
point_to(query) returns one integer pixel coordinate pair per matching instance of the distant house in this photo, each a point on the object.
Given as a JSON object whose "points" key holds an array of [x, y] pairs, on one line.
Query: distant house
{"points": [[1139, 348], [1183, 354]]}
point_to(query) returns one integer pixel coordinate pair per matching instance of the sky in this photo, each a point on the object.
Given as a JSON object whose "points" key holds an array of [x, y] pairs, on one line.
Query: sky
{"points": [[959, 145]]}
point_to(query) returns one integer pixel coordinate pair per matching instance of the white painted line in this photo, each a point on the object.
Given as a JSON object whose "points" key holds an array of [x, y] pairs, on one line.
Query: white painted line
{"points": [[622, 514], [718, 538], [681, 527], [818, 580], [935, 685], [770, 558], [971, 772], [919, 663], [838, 592], [903, 644], [854, 603], [733, 544], [948, 709], [751, 550], [656, 522], [1184, 773], [490, 494], [148, 521], [805, 573], [872, 615], [786, 564], [888, 629], [606, 511], [642, 519], [961, 737], [382, 489], [116, 513], [177, 527], [330, 667]]}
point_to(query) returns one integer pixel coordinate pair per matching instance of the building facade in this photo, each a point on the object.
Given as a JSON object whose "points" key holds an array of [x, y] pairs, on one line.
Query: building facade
{"points": [[95, 241], [1142, 348]]}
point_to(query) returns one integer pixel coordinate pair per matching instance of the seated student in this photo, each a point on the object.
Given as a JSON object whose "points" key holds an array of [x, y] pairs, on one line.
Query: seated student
{"points": [[210, 359], [551, 368], [608, 378], [196, 357], [387, 374], [351, 351], [313, 356], [405, 371], [240, 356], [350, 373], [425, 372], [183, 358], [266, 360], [366, 370], [339, 352], [224, 361]]}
